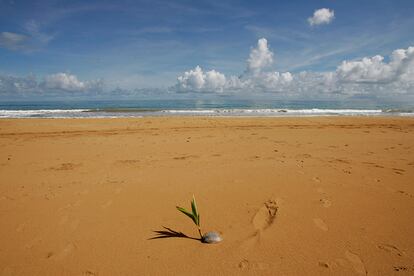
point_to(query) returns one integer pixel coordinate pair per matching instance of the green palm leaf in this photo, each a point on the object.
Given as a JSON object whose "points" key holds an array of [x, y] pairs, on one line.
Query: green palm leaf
{"points": [[195, 212], [193, 215], [187, 213]]}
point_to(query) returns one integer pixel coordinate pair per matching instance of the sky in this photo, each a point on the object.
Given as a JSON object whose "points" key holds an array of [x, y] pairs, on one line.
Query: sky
{"points": [[293, 49]]}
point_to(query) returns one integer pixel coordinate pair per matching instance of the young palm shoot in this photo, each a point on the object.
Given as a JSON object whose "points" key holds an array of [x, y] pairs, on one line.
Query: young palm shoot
{"points": [[209, 237]]}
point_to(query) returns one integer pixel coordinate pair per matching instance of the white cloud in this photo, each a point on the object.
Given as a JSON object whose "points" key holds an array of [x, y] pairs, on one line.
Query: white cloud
{"points": [[193, 79], [64, 81], [68, 82], [55, 84], [321, 16], [275, 78], [12, 41], [368, 76], [198, 80], [214, 80], [260, 58], [257, 75], [375, 70]]}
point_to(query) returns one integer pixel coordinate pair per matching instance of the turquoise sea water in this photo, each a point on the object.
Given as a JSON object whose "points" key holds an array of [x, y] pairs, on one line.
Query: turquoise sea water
{"points": [[225, 107]]}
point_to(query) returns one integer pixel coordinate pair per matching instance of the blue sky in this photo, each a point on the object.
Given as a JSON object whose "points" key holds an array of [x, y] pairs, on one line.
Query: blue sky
{"points": [[148, 44]]}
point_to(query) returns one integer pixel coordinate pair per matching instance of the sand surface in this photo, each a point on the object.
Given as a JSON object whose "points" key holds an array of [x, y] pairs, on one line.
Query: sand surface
{"points": [[291, 196]]}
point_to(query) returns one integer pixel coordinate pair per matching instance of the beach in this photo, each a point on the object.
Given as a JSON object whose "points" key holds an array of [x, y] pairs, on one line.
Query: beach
{"points": [[290, 196]]}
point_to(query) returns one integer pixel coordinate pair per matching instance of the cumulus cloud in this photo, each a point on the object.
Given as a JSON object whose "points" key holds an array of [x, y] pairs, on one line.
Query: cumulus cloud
{"points": [[197, 79], [369, 75], [256, 75], [375, 70], [214, 80], [260, 58], [193, 79], [12, 41], [276, 78], [321, 16]]}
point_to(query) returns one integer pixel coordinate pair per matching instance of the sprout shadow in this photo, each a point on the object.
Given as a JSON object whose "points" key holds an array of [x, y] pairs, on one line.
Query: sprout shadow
{"points": [[169, 233]]}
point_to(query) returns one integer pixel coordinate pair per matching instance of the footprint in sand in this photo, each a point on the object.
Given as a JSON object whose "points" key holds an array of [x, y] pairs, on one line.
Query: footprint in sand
{"points": [[390, 249], [398, 171], [320, 224], [356, 263], [89, 272], [404, 193], [316, 179], [400, 268], [65, 167], [244, 264], [325, 202], [265, 216], [49, 196], [324, 264]]}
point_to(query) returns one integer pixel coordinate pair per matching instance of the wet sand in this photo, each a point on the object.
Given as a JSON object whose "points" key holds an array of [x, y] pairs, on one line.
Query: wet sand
{"points": [[290, 196]]}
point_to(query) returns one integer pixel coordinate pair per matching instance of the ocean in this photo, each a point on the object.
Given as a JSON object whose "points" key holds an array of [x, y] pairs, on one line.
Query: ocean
{"points": [[220, 107]]}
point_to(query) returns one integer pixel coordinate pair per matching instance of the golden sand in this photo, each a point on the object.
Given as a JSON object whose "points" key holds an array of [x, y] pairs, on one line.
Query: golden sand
{"points": [[290, 196]]}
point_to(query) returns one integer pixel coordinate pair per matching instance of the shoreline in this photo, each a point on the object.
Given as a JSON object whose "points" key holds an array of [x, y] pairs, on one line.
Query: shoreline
{"points": [[201, 112], [290, 195], [384, 116]]}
